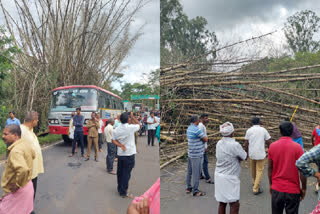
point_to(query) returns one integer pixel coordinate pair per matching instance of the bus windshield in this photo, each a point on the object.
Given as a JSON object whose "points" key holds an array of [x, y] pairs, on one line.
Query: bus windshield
{"points": [[70, 99]]}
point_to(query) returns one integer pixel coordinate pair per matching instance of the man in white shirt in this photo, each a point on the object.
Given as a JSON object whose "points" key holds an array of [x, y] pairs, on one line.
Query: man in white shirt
{"points": [[152, 124], [255, 140], [100, 140], [112, 148], [204, 118], [123, 138]]}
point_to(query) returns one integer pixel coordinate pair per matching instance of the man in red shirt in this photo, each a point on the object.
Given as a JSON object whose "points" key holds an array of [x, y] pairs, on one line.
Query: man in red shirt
{"points": [[283, 174], [315, 140], [315, 136]]}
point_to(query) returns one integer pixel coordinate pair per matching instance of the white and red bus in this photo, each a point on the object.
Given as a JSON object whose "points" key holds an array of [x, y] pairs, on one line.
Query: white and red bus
{"points": [[90, 98]]}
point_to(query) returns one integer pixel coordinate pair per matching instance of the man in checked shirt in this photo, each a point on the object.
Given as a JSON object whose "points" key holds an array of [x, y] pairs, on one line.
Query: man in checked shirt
{"points": [[303, 165]]}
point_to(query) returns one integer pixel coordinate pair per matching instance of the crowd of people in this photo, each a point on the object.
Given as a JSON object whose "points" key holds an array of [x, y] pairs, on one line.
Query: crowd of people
{"points": [[24, 157], [288, 164]]}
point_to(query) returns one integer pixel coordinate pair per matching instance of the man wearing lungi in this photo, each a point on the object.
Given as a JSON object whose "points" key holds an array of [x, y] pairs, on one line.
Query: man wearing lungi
{"points": [[16, 178], [229, 154]]}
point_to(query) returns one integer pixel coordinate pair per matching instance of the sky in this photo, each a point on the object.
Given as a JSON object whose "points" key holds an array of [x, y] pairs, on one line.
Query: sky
{"points": [[235, 20], [145, 55]]}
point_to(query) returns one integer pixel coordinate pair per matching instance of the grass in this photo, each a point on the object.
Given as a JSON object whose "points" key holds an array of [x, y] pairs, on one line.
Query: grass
{"points": [[50, 138]]}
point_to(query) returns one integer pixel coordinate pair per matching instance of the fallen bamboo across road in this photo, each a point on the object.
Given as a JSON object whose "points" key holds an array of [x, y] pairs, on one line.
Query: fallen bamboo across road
{"points": [[237, 97]]}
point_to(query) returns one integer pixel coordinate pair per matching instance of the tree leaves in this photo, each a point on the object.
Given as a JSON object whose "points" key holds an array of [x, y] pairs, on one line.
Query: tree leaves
{"points": [[181, 37], [300, 30]]}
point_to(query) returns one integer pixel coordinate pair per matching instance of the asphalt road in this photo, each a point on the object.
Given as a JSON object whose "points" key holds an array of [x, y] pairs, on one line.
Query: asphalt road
{"points": [[72, 185], [174, 200]]}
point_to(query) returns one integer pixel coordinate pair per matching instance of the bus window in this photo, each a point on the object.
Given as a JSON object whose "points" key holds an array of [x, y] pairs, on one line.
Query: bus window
{"points": [[101, 101], [113, 103], [118, 104], [107, 100]]}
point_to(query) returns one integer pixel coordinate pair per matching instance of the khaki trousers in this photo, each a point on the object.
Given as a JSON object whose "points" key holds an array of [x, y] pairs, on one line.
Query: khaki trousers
{"points": [[93, 140], [257, 167]]}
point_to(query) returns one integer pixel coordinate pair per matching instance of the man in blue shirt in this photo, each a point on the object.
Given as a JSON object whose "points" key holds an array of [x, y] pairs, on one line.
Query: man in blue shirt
{"points": [[12, 119], [78, 121], [196, 146]]}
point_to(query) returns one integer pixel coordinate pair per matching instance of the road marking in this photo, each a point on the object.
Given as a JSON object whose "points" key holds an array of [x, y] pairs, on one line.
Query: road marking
{"points": [[42, 148]]}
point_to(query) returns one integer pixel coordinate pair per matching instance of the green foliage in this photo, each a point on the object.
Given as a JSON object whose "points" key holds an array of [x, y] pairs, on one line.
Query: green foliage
{"points": [[7, 52], [135, 89], [50, 138], [4, 114], [182, 38], [300, 30], [3, 146]]}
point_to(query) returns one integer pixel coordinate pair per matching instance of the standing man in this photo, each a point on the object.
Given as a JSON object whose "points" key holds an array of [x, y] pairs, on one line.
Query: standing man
{"points": [[151, 128], [229, 154], [93, 137], [145, 123], [100, 140], [303, 164], [123, 138], [196, 140], [315, 139], [255, 140], [30, 121], [283, 174], [16, 178], [204, 121], [78, 121], [112, 148], [12, 119]]}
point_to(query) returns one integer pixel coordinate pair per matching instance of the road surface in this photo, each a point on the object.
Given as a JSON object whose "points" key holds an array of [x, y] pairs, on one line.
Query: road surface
{"points": [[87, 188], [175, 200]]}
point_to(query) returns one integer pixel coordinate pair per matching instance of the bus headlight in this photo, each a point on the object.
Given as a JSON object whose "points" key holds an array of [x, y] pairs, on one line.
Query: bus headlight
{"points": [[53, 121]]}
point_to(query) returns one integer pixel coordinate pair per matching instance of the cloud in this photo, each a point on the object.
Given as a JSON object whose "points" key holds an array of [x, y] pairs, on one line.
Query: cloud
{"points": [[235, 20], [228, 14], [145, 55]]}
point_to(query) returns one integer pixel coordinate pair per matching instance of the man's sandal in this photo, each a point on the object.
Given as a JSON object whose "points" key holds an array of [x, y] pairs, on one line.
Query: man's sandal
{"points": [[127, 196], [188, 190], [209, 181], [199, 194]]}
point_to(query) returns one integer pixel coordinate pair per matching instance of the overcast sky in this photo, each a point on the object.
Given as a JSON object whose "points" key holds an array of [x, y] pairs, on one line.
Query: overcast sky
{"points": [[241, 19], [145, 55]]}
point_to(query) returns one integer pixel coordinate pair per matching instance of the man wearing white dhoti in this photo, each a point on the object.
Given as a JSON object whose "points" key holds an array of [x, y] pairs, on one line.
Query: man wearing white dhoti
{"points": [[229, 153]]}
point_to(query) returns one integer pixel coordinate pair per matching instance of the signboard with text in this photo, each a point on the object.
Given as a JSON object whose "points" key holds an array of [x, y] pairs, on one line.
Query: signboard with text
{"points": [[144, 97]]}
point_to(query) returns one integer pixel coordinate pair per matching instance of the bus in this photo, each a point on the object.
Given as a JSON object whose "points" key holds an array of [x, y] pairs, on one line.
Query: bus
{"points": [[90, 98]]}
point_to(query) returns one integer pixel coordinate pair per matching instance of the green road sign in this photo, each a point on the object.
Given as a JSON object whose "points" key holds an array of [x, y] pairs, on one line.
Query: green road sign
{"points": [[144, 97]]}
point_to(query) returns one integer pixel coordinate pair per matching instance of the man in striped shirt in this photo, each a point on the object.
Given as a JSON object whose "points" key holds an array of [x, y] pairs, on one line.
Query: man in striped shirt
{"points": [[196, 142]]}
